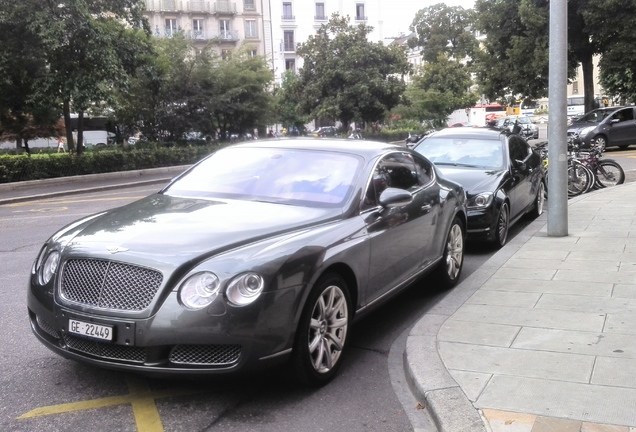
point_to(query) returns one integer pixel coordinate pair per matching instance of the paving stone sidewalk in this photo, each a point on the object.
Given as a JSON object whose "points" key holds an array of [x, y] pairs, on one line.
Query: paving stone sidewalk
{"points": [[545, 338]]}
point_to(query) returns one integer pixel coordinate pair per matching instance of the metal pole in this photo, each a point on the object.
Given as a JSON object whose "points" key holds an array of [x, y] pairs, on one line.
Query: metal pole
{"points": [[557, 131]]}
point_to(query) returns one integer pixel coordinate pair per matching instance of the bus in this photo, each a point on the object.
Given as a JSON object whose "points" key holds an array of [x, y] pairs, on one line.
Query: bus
{"points": [[481, 114], [576, 106]]}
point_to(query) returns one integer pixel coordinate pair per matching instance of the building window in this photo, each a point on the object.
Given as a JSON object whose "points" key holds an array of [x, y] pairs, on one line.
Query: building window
{"points": [[225, 31], [252, 53], [249, 5], [360, 12], [171, 27], [287, 11], [250, 29], [197, 29], [320, 12], [575, 87], [290, 65], [288, 41]]}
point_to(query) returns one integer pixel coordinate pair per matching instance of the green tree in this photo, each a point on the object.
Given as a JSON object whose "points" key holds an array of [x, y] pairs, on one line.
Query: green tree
{"points": [[286, 100], [443, 29], [616, 42], [346, 77], [437, 89], [90, 48], [24, 113]]}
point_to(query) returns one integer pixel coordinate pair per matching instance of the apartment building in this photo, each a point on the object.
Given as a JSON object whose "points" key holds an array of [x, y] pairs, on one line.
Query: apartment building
{"points": [[228, 24], [293, 21]]}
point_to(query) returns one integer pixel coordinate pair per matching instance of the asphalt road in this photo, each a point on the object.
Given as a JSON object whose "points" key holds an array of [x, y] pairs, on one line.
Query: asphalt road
{"points": [[44, 392]]}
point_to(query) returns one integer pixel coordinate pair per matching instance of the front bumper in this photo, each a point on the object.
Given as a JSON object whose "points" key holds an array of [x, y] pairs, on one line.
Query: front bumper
{"points": [[481, 223], [173, 342]]}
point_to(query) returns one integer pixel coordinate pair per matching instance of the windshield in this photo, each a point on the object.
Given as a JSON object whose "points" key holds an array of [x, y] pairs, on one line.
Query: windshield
{"points": [[287, 176], [468, 152], [596, 116]]}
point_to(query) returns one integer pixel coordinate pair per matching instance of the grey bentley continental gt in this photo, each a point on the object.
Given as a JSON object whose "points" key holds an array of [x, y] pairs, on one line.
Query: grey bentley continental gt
{"points": [[262, 253]]}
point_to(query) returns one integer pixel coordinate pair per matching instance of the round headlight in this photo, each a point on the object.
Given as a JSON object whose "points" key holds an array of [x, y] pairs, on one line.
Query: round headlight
{"points": [[199, 290], [244, 289], [481, 200], [50, 267]]}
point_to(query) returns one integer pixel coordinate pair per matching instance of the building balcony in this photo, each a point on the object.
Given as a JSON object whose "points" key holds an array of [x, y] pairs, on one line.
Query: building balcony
{"points": [[224, 8], [288, 18], [321, 18], [198, 35], [170, 5], [228, 36], [199, 6], [362, 18]]}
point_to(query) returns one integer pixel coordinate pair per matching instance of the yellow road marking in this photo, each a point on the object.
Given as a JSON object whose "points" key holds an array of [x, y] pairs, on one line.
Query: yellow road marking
{"points": [[140, 396]]}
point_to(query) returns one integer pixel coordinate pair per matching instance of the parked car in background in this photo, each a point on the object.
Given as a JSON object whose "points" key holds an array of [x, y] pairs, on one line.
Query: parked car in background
{"points": [[325, 131], [526, 128], [264, 252], [605, 127], [502, 175]]}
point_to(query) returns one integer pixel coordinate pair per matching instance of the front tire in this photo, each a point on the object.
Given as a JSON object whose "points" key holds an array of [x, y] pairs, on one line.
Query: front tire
{"points": [[609, 173], [600, 142], [322, 332], [450, 268]]}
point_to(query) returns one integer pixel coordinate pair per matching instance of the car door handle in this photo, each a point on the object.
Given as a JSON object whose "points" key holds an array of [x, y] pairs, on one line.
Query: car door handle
{"points": [[426, 208]]}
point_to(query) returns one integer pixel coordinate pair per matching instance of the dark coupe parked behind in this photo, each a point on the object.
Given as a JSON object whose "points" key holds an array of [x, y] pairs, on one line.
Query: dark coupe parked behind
{"points": [[502, 175], [261, 253]]}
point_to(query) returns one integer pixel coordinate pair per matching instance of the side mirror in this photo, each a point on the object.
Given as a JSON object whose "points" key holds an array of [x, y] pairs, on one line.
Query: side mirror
{"points": [[520, 165], [392, 197]]}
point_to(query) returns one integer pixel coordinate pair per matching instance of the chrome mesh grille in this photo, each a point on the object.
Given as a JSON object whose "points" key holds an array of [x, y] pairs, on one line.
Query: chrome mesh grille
{"points": [[217, 355], [106, 350], [47, 328], [109, 285]]}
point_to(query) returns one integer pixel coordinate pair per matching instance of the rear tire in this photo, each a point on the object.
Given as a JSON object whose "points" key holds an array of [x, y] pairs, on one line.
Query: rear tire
{"points": [[503, 223], [322, 333], [450, 268], [539, 201], [609, 173]]}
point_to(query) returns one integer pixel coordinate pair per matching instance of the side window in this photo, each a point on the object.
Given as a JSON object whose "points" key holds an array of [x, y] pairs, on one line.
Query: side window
{"points": [[424, 171], [518, 148], [397, 170]]}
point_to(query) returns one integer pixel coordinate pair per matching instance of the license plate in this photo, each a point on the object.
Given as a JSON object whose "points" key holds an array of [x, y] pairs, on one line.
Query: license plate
{"points": [[90, 330]]}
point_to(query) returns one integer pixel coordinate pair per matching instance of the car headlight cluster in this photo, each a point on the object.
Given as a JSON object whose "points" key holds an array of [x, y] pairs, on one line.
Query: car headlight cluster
{"points": [[245, 288], [201, 289], [46, 265], [586, 130], [481, 200]]}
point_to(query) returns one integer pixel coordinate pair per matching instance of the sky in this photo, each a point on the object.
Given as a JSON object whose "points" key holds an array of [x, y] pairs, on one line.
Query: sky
{"points": [[398, 14]]}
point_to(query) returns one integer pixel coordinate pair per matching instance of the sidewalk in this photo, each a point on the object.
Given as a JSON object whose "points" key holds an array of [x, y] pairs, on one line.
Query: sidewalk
{"points": [[542, 337]]}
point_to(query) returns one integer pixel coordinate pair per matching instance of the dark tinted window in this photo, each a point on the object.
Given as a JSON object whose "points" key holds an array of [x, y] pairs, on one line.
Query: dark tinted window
{"points": [[397, 170]]}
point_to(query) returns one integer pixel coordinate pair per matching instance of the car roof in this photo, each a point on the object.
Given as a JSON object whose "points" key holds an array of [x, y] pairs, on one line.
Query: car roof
{"points": [[468, 132], [361, 147]]}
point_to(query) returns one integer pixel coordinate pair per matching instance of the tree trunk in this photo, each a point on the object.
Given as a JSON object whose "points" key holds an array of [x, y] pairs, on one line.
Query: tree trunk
{"points": [[67, 125], [587, 64], [80, 132]]}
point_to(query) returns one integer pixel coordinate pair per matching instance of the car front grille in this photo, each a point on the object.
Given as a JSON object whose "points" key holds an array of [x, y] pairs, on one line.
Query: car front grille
{"points": [[109, 285], [211, 355], [106, 350]]}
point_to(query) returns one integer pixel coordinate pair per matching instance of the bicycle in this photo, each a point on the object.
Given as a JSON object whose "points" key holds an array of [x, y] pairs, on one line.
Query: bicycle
{"points": [[607, 172], [580, 177]]}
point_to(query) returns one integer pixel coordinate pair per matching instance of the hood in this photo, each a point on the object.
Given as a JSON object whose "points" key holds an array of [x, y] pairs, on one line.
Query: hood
{"points": [[173, 229], [579, 125], [474, 180]]}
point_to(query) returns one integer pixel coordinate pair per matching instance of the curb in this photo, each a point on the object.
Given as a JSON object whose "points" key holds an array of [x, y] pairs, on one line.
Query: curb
{"points": [[136, 177], [426, 373]]}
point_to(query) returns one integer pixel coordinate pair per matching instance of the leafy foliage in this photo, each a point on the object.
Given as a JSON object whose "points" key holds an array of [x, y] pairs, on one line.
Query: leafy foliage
{"points": [[443, 29], [346, 77]]}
